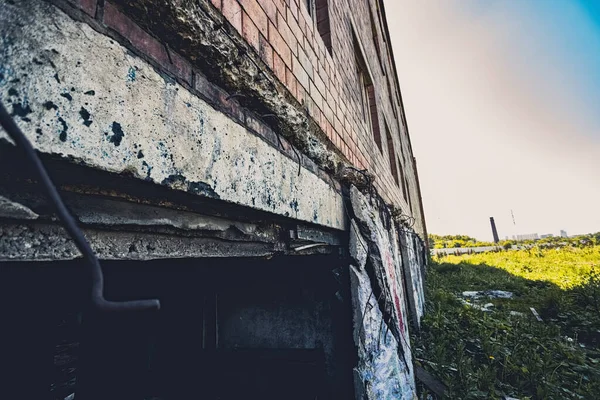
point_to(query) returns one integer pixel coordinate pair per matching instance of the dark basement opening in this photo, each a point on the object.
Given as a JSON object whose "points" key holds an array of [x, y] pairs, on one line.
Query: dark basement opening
{"points": [[228, 329]]}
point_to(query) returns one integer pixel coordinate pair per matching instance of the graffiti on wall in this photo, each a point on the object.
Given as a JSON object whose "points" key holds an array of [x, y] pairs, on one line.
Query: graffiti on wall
{"points": [[413, 270], [385, 369]]}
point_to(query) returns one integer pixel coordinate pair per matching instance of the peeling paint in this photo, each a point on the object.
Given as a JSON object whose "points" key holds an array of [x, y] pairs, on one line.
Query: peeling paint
{"points": [[63, 133], [117, 134], [131, 74], [85, 115]]}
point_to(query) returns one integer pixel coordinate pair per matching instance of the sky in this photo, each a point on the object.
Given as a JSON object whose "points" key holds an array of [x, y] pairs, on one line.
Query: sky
{"points": [[502, 101]]}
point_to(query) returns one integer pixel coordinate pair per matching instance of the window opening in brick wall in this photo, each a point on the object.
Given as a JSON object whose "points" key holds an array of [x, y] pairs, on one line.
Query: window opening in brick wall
{"points": [[392, 103], [392, 155], [380, 18], [367, 95], [406, 188], [322, 20], [409, 198], [319, 12], [401, 165], [364, 99], [310, 7], [376, 40], [374, 116]]}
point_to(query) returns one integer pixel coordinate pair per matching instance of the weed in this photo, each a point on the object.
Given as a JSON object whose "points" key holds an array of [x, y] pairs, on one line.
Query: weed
{"points": [[489, 355]]}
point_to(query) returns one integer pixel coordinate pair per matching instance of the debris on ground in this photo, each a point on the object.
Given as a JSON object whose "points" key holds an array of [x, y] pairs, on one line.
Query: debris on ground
{"points": [[535, 314], [491, 294]]}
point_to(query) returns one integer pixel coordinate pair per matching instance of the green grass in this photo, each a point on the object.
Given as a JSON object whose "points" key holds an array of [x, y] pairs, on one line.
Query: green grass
{"points": [[566, 267], [487, 355]]}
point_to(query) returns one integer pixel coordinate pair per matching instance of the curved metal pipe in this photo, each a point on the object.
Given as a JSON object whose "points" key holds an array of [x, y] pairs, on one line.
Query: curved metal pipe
{"points": [[70, 224]]}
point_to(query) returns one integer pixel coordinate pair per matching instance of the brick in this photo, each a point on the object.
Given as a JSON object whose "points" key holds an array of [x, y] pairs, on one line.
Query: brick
{"points": [[206, 89], [261, 129], [302, 25], [300, 74], [305, 62], [301, 93], [309, 104], [281, 7], [232, 11], [293, 10], [250, 31], [88, 6], [315, 95], [287, 34], [180, 67], [265, 51], [279, 45], [270, 9], [257, 15], [304, 16], [312, 56], [279, 67], [319, 84], [292, 23], [290, 82], [328, 112], [141, 40], [216, 3]]}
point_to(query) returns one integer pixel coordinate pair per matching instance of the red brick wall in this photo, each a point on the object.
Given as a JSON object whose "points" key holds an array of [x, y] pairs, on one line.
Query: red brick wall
{"points": [[285, 36]]}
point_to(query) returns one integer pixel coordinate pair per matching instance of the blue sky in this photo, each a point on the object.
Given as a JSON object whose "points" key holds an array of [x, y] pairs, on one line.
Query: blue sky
{"points": [[566, 35], [502, 100]]}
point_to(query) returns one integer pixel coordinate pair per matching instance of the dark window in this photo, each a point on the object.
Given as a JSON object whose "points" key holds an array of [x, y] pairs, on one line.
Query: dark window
{"points": [[392, 155], [405, 192], [392, 103], [376, 40], [319, 12], [322, 19], [408, 199], [374, 117], [310, 6], [367, 95], [363, 83]]}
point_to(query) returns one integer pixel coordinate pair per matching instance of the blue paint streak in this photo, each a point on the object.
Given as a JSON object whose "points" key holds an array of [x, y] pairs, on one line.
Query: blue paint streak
{"points": [[131, 74]]}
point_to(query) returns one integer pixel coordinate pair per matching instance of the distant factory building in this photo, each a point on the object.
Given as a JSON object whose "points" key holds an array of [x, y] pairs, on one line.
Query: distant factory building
{"points": [[529, 236]]}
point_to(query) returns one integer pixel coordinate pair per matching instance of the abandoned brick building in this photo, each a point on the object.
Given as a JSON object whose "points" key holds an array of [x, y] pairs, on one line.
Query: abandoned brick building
{"points": [[246, 163]]}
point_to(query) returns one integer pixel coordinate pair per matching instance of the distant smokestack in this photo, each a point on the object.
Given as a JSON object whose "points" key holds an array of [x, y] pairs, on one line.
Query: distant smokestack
{"points": [[494, 231]]}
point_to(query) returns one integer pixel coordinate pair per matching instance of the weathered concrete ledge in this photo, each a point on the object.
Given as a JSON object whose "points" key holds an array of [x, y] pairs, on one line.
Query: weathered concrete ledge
{"points": [[122, 230], [49, 242], [80, 96]]}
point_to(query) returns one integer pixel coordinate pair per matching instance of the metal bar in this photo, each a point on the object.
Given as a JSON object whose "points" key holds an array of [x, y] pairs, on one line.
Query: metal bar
{"points": [[97, 296]]}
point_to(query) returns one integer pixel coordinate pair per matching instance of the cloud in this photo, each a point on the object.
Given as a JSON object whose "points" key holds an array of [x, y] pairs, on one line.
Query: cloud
{"points": [[499, 118]]}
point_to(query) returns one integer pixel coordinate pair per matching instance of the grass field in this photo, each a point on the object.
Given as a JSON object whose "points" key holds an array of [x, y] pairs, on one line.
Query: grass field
{"points": [[488, 355]]}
